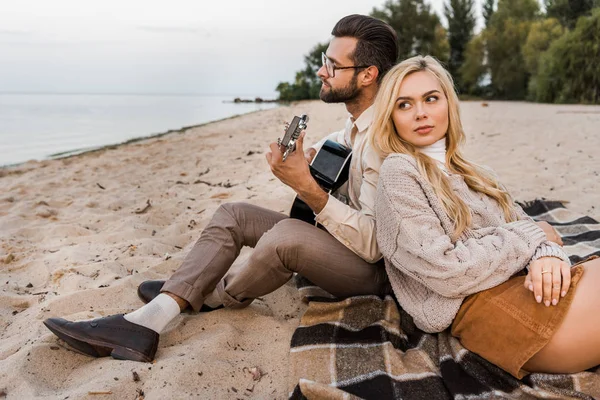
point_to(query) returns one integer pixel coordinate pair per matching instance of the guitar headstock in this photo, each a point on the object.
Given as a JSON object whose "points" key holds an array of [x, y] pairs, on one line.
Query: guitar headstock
{"points": [[292, 132]]}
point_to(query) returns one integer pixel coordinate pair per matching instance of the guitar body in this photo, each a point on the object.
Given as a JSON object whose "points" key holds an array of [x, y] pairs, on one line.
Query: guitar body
{"points": [[300, 210], [330, 168]]}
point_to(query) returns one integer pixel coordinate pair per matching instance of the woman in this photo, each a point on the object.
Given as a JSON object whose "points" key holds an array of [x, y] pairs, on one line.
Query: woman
{"points": [[459, 252]]}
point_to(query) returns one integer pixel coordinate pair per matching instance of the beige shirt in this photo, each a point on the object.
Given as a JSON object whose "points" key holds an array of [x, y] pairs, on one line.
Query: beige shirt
{"points": [[354, 224]]}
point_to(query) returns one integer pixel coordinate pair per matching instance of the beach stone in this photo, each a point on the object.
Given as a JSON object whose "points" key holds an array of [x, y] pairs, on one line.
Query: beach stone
{"points": [[47, 212]]}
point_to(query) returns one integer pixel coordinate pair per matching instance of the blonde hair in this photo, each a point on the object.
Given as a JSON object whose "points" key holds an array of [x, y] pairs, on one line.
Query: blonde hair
{"points": [[386, 140]]}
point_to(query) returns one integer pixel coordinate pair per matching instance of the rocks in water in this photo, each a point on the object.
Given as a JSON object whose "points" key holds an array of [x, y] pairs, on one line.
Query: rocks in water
{"points": [[256, 100]]}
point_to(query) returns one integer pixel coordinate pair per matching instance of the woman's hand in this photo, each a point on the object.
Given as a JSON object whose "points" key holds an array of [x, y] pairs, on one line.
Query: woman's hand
{"points": [[549, 279], [551, 234]]}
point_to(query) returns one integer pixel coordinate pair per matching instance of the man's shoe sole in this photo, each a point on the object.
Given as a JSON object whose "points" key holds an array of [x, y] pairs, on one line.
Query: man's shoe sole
{"points": [[96, 348]]}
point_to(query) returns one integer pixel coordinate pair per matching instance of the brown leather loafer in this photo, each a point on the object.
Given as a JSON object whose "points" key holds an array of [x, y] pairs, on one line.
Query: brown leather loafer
{"points": [[109, 336], [148, 290]]}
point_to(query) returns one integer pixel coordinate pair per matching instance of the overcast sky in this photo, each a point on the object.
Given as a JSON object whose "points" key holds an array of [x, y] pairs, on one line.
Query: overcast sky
{"points": [[229, 47]]}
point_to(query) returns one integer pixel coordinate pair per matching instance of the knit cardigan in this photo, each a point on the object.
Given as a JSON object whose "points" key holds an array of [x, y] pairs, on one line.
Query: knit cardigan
{"points": [[430, 274]]}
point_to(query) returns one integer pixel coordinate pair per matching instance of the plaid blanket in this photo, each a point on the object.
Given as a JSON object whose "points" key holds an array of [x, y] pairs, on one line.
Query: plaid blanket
{"points": [[368, 347]]}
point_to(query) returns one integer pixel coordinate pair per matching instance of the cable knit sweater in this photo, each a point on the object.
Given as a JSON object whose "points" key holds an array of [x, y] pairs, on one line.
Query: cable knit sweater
{"points": [[430, 274]]}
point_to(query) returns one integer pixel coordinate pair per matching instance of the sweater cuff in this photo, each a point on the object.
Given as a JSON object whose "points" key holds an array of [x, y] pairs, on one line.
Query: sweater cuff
{"points": [[529, 231], [551, 249]]}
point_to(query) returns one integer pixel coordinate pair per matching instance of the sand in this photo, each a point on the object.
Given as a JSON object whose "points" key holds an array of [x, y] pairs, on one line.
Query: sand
{"points": [[77, 238]]}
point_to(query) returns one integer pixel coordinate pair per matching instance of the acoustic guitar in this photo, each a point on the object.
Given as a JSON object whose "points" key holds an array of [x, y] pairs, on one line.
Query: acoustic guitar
{"points": [[329, 167]]}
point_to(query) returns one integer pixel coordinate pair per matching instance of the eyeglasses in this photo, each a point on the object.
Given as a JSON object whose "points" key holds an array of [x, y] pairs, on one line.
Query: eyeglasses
{"points": [[330, 67]]}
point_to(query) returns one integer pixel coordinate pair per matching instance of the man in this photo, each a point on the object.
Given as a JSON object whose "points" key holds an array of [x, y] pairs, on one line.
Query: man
{"points": [[344, 259]]}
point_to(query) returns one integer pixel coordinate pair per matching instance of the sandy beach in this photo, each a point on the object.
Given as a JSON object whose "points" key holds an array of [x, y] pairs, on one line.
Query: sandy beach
{"points": [[79, 234]]}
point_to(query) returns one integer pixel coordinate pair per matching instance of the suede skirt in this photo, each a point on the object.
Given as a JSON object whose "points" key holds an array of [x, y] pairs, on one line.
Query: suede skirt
{"points": [[506, 326]]}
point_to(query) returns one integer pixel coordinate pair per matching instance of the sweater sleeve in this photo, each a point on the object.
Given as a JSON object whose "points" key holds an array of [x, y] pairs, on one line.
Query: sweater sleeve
{"points": [[551, 249], [547, 248], [520, 213], [412, 238]]}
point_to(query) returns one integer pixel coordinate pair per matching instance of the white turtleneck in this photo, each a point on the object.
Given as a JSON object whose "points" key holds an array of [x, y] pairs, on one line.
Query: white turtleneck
{"points": [[437, 151]]}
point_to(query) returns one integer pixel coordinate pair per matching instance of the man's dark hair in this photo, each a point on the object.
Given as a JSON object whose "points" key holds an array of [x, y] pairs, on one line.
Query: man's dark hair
{"points": [[377, 41]]}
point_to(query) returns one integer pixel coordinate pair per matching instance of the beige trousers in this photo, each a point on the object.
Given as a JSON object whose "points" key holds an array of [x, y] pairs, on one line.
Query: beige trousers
{"points": [[282, 246]]}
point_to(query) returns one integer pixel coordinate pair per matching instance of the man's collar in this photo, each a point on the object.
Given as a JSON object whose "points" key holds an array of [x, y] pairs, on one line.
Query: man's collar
{"points": [[364, 120]]}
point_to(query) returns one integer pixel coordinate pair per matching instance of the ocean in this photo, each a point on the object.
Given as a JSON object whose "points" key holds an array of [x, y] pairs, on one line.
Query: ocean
{"points": [[41, 126]]}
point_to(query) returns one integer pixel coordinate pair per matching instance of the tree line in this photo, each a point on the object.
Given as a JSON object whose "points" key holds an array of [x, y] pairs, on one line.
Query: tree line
{"points": [[524, 51]]}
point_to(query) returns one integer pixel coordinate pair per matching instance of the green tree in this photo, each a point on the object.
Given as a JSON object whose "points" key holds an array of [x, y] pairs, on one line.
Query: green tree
{"points": [[440, 48], [541, 35], [505, 36], [568, 72], [474, 68], [568, 11], [298, 90], [520, 10], [307, 84], [418, 28], [488, 10], [461, 22]]}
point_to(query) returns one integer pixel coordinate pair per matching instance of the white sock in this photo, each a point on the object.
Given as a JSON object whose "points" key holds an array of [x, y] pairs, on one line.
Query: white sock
{"points": [[156, 314]]}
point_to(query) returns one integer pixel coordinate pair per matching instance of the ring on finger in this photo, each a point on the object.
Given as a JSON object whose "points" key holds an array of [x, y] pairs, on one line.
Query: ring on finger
{"points": [[546, 272]]}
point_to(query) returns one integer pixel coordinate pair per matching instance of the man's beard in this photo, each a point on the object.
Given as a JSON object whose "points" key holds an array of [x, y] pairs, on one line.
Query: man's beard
{"points": [[342, 95]]}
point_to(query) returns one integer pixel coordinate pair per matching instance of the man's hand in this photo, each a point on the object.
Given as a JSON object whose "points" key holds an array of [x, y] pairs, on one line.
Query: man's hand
{"points": [[295, 173], [549, 279], [309, 154], [551, 234]]}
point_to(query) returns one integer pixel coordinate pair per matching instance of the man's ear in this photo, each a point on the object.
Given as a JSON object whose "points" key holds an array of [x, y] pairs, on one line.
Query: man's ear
{"points": [[370, 75]]}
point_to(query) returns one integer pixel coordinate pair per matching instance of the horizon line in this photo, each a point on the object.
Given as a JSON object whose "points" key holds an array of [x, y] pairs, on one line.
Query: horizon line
{"points": [[127, 93]]}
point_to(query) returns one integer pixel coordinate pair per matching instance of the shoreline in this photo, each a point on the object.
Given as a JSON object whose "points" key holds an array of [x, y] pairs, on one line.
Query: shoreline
{"points": [[89, 150]]}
